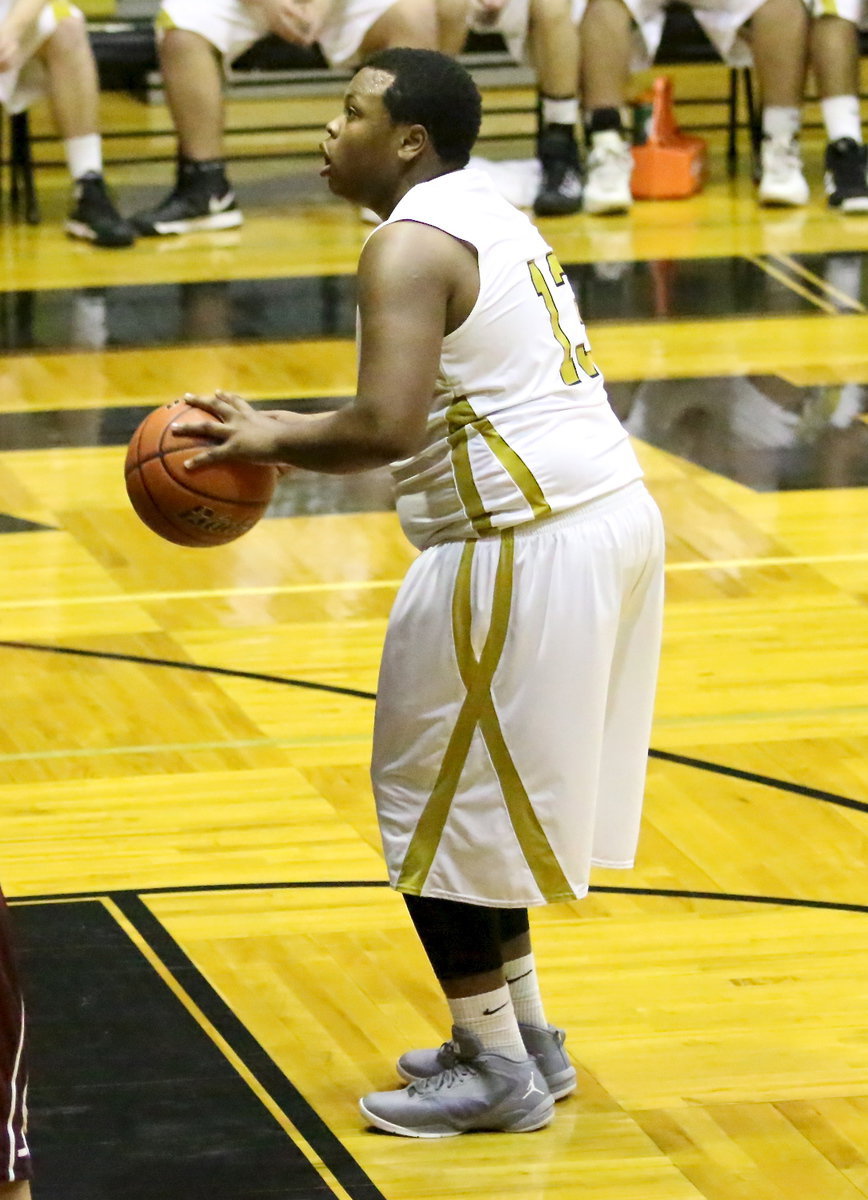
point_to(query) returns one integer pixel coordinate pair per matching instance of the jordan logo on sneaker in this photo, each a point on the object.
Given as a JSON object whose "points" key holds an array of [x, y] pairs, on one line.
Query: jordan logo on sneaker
{"points": [[487, 1012], [531, 1088]]}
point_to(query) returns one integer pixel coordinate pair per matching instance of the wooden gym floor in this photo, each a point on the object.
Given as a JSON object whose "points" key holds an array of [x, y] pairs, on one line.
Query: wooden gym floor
{"points": [[215, 969]]}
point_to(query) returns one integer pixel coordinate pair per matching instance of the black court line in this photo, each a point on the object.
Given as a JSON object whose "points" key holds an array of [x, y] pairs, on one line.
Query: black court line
{"points": [[292, 1104], [131, 1093], [767, 781], [325, 885], [260, 677], [665, 755]]}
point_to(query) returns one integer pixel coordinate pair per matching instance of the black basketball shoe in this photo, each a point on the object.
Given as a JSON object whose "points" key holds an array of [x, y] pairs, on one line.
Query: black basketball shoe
{"points": [[201, 200], [846, 176], [560, 191], [94, 217]]}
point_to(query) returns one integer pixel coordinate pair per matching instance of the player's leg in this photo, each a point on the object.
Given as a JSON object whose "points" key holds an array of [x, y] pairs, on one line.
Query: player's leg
{"points": [[554, 44], [489, 1081], [778, 32], [834, 57], [452, 19], [73, 92], [412, 23], [541, 1040], [194, 42], [15, 1191], [606, 33]]}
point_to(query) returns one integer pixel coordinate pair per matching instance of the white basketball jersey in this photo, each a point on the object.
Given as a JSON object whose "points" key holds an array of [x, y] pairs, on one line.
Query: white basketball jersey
{"points": [[520, 424]]}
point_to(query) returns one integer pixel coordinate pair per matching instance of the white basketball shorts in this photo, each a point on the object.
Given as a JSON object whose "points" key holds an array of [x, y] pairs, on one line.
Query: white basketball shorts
{"points": [[514, 706], [232, 27], [25, 82]]}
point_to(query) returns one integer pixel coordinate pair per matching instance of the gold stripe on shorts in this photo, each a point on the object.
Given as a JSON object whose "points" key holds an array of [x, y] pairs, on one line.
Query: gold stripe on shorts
{"points": [[478, 710], [61, 10]]}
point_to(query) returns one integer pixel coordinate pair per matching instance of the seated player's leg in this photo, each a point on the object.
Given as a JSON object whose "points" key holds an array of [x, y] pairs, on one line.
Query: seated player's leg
{"points": [[554, 40], [834, 57], [195, 41], [413, 23], [452, 21], [63, 66], [606, 40], [777, 32]]}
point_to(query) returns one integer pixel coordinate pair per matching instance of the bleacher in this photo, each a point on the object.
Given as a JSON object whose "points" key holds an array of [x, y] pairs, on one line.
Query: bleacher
{"points": [[126, 55]]}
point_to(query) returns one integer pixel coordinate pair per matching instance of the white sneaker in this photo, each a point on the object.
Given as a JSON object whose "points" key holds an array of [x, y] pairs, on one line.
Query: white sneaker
{"points": [[782, 181], [610, 166]]}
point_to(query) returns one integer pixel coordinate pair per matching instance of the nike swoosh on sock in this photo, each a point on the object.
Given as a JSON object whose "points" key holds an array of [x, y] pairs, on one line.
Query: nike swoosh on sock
{"points": [[524, 976], [487, 1012]]}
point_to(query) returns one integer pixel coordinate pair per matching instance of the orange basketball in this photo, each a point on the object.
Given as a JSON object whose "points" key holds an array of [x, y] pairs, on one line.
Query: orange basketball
{"points": [[206, 507]]}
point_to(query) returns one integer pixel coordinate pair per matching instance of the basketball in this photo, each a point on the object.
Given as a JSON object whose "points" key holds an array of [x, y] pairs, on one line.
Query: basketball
{"points": [[206, 507]]}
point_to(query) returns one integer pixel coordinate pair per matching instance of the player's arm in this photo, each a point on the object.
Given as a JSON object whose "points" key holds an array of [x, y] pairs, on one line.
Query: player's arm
{"points": [[20, 15], [408, 278]]}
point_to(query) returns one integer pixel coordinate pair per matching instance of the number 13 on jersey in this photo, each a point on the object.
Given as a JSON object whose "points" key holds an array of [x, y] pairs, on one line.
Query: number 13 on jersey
{"points": [[577, 362]]}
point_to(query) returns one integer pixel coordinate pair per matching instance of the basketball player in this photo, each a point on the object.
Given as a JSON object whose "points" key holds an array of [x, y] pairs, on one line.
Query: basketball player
{"points": [[771, 33], [15, 1165], [44, 49], [518, 674], [199, 38]]}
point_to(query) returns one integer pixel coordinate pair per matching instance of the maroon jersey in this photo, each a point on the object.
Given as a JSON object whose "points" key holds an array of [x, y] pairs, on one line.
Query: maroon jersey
{"points": [[14, 1152]]}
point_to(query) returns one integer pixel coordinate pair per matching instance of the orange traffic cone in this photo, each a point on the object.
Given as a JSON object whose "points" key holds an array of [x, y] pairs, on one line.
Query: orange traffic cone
{"points": [[667, 164]]}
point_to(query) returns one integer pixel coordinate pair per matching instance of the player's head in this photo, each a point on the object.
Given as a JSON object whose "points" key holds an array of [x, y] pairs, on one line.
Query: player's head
{"points": [[432, 90], [408, 115]]}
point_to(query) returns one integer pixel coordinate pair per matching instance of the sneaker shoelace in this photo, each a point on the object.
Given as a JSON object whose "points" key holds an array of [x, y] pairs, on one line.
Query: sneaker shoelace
{"points": [[453, 1075]]}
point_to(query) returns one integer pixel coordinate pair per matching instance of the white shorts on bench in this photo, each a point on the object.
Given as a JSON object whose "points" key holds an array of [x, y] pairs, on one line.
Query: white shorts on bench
{"points": [[514, 706], [232, 27], [721, 21], [25, 82]]}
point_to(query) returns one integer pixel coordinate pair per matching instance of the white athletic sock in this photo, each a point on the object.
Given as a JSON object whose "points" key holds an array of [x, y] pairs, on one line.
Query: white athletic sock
{"points": [[490, 1017], [523, 984], [560, 111], [781, 123], [83, 154], [841, 117]]}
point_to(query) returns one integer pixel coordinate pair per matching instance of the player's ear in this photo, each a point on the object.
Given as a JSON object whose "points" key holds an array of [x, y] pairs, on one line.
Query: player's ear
{"points": [[413, 142]]}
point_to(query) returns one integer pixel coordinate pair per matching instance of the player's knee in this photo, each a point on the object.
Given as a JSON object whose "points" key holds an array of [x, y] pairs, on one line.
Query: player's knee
{"points": [[179, 48], [70, 36]]}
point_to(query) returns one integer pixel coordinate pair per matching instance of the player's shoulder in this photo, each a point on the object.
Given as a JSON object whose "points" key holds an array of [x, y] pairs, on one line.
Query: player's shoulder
{"points": [[412, 247]]}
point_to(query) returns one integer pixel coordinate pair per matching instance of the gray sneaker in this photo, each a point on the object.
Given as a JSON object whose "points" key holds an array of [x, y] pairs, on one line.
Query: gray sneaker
{"points": [[545, 1045], [481, 1090]]}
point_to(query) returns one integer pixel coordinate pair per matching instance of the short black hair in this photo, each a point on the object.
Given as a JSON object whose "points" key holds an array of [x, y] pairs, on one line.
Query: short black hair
{"points": [[432, 90]]}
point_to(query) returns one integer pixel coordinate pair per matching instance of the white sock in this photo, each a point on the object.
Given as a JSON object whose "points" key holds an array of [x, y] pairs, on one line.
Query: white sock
{"points": [[523, 984], [490, 1017], [781, 123], [841, 117], [560, 111], [83, 154]]}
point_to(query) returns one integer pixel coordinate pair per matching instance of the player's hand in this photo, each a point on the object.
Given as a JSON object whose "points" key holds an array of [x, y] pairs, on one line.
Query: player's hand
{"points": [[239, 432], [9, 47], [297, 21], [486, 12]]}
